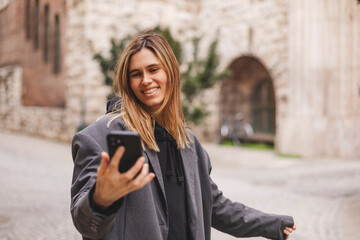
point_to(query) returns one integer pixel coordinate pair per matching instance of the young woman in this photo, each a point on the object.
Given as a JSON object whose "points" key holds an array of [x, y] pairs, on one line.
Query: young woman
{"points": [[173, 196]]}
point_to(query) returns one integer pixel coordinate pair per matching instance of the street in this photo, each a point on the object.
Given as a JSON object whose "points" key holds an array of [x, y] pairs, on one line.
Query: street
{"points": [[323, 195]]}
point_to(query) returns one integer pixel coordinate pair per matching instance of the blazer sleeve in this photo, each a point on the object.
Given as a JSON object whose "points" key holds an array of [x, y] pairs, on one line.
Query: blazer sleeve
{"points": [[90, 223], [235, 218], [241, 221]]}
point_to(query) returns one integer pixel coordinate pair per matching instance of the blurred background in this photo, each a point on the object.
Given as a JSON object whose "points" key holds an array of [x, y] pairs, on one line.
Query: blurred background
{"points": [[275, 73]]}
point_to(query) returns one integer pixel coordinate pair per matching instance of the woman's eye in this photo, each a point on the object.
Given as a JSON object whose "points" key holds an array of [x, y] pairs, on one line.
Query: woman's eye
{"points": [[135, 75], [154, 69]]}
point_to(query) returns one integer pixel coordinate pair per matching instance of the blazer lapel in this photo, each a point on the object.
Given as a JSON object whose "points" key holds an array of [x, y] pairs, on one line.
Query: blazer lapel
{"points": [[154, 161], [189, 161]]}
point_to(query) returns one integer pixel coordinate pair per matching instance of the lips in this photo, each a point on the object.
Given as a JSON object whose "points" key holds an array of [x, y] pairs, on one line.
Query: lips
{"points": [[150, 90]]}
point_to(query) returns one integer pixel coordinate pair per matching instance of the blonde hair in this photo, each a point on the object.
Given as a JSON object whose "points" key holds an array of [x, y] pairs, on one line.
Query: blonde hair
{"points": [[170, 114]]}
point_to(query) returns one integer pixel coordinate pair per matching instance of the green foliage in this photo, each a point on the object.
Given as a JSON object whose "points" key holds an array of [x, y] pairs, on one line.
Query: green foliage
{"points": [[175, 45], [258, 146], [285, 155], [107, 65], [200, 74], [227, 143]]}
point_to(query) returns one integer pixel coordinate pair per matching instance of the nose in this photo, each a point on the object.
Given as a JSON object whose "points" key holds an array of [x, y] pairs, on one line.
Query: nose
{"points": [[146, 79]]}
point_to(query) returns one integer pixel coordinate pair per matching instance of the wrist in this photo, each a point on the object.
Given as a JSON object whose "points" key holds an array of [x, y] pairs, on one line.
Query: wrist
{"points": [[99, 202]]}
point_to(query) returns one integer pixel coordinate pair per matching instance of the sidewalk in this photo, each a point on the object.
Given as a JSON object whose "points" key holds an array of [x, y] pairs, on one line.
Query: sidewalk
{"points": [[35, 178], [322, 195]]}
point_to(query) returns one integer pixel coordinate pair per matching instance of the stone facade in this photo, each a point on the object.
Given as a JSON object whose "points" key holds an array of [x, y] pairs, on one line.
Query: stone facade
{"points": [[32, 92], [308, 48], [41, 121], [322, 111], [257, 29]]}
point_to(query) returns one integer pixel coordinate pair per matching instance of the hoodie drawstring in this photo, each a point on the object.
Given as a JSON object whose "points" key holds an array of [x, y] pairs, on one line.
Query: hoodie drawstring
{"points": [[173, 153]]}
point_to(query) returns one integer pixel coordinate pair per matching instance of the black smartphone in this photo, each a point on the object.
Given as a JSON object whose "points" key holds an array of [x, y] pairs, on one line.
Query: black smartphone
{"points": [[133, 149]]}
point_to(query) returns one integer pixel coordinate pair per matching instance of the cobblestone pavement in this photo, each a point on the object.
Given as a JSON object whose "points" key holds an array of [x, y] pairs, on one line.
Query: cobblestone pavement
{"points": [[323, 195]]}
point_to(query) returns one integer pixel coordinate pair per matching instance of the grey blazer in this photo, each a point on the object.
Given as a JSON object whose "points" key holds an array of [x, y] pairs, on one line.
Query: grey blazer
{"points": [[143, 214]]}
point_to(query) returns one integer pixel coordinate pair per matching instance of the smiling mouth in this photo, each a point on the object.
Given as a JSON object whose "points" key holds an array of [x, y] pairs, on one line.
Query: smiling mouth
{"points": [[151, 90]]}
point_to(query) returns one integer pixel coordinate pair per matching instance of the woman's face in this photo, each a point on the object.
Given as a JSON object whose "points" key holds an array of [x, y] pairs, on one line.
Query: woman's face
{"points": [[148, 79]]}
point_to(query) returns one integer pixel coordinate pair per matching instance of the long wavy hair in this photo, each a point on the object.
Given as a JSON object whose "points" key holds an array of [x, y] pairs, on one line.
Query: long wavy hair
{"points": [[170, 114]]}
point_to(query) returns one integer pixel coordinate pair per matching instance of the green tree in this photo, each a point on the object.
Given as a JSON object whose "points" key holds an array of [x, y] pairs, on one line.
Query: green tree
{"points": [[107, 64], [200, 73]]}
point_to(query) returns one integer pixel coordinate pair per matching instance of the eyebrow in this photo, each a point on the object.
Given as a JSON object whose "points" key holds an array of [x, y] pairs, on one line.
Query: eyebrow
{"points": [[149, 66]]}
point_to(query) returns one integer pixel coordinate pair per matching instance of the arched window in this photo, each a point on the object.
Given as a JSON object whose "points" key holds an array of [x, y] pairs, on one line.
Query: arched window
{"points": [[36, 24], [57, 45], [46, 32], [27, 19]]}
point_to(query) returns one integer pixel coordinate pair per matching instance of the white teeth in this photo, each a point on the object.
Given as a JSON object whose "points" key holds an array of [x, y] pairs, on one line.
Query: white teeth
{"points": [[150, 90]]}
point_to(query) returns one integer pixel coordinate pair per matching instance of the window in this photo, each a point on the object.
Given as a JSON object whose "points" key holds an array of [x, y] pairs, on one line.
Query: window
{"points": [[36, 24], [27, 19], [46, 32], [57, 45]]}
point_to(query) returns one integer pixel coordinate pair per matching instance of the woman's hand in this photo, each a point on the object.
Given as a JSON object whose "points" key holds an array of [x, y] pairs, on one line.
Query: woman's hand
{"points": [[112, 185], [289, 230]]}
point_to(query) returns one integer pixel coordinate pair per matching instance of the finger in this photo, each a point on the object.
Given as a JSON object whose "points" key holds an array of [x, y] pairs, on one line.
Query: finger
{"points": [[294, 227], [115, 160], [131, 173], [289, 229], [138, 182], [148, 178], [103, 164], [286, 232]]}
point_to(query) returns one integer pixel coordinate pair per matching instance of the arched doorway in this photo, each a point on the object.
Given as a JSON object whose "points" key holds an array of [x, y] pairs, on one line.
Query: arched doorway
{"points": [[249, 93]]}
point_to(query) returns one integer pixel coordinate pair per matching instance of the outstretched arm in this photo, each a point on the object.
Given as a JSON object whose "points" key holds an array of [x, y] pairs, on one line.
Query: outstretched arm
{"points": [[241, 221]]}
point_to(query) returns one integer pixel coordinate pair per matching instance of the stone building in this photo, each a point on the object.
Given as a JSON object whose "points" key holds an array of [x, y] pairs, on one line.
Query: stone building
{"points": [[295, 64], [32, 72]]}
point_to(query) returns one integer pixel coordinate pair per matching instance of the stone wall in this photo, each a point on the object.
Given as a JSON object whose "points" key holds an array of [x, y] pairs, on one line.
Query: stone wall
{"points": [[31, 95], [323, 112], [253, 28], [90, 26], [47, 122], [256, 28], [310, 49]]}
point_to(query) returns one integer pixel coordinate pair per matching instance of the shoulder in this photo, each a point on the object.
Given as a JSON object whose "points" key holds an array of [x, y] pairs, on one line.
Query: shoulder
{"points": [[106, 123], [202, 156], [194, 141], [195, 146], [101, 127]]}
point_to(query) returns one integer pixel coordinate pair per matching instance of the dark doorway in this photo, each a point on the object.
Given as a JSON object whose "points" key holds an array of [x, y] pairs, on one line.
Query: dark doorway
{"points": [[249, 93]]}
